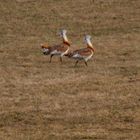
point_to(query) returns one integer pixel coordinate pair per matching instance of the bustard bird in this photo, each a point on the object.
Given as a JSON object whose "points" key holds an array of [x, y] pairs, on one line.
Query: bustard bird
{"points": [[83, 54], [59, 49]]}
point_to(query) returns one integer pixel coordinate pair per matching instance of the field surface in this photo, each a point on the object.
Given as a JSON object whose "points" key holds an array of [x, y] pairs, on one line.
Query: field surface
{"points": [[43, 101]]}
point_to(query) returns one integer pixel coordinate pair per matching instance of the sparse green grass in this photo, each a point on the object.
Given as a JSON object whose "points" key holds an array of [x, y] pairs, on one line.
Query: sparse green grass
{"points": [[39, 100]]}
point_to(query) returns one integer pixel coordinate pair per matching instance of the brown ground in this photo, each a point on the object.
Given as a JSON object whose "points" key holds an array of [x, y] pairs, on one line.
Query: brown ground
{"points": [[40, 101]]}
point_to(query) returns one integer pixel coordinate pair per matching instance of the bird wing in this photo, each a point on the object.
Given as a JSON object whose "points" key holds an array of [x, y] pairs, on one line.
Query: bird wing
{"points": [[82, 52]]}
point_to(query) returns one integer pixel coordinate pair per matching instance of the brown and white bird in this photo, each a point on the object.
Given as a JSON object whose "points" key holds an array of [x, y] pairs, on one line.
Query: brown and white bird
{"points": [[60, 49], [83, 54]]}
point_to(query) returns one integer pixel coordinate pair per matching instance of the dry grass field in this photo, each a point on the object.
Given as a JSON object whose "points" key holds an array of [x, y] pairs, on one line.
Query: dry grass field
{"points": [[43, 101]]}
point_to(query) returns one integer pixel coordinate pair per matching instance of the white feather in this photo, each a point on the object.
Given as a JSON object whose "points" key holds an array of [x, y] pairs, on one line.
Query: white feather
{"points": [[45, 50], [65, 52], [63, 34], [55, 52], [88, 40]]}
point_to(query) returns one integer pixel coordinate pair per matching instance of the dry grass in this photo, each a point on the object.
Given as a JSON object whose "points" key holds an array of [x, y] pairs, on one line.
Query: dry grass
{"points": [[40, 101]]}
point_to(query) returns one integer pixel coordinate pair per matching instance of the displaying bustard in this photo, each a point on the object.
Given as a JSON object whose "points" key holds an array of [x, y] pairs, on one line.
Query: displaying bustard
{"points": [[59, 49], [83, 54]]}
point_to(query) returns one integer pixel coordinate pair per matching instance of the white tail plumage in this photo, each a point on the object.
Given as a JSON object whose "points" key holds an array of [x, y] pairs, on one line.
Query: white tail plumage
{"points": [[88, 40], [63, 34]]}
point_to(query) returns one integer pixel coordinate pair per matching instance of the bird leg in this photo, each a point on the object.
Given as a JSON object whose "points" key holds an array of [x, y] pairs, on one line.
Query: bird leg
{"points": [[60, 59], [76, 63], [86, 63], [51, 58]]}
